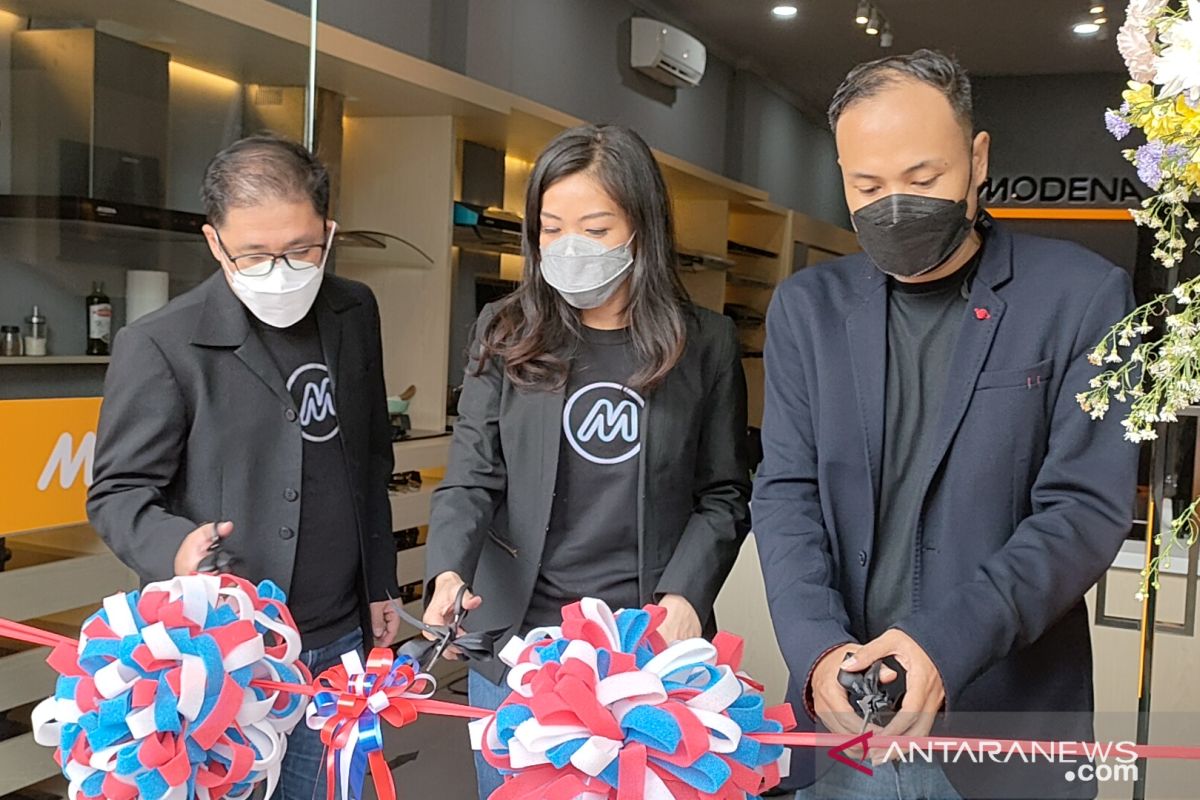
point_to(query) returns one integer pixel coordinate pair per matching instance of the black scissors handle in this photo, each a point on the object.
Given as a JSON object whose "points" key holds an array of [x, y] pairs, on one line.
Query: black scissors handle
{"points": [[217, 561]]}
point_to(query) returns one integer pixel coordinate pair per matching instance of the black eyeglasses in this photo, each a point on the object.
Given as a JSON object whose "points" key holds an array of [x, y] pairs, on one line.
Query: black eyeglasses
{"points": [[258, 265]]}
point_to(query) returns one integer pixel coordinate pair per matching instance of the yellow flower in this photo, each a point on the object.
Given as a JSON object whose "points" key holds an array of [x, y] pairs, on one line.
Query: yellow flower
{"points": [[1191, 174], [1188, 118], [1138, 93]]}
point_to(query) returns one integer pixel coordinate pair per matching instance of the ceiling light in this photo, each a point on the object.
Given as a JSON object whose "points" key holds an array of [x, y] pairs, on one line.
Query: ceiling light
{"points": [[784, 11], [885, 37], [873, 23], [1086, 28], [1100, 20], [864, 13], [1096, 9]]}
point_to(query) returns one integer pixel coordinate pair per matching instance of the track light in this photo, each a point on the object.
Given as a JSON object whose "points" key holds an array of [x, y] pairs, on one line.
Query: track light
{"points": [[873, 23], [885, 37], [864, 13]]}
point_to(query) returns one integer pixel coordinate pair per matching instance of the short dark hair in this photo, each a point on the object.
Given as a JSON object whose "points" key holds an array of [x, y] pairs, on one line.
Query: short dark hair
{"points": [[263, 167], [938, 70]]}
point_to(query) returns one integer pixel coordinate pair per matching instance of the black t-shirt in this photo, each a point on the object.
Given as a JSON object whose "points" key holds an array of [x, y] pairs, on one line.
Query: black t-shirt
{"points": [[922, 331], [592, 545], [324, 597]]}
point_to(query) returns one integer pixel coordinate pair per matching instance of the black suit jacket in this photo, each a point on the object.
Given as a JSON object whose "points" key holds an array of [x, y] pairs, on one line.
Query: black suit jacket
{"points": [[491, 513], [197, 425], [1026, 499]]}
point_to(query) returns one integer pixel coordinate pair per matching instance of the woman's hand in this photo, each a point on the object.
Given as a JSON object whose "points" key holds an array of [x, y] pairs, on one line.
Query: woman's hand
{"points": [[682, 622], [440, 610]]}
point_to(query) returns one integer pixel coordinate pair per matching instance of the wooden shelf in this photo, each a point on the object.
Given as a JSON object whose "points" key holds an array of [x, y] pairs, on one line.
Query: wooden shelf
{"points": [[422, 452], [411, 509], [25, 763], [410, 565], [47, 361]]}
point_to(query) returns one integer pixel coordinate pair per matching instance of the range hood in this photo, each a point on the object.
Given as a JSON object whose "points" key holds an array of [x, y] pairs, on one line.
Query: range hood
{"points": [[486, 230], [91, 122], [89, 117]]}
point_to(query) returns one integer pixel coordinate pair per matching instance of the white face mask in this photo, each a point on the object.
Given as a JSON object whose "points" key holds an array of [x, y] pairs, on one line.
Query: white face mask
{"points": [[283, 296], [583, 272]]}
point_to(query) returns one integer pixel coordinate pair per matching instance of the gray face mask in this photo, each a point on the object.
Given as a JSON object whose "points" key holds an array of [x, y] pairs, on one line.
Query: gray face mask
{"points": [[583, 272]]}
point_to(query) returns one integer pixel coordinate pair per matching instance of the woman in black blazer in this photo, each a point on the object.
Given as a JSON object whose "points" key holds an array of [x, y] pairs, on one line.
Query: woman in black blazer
{"points": [[600, 444]]}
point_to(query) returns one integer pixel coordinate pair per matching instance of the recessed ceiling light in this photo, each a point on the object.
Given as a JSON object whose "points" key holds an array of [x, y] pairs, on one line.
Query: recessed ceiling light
{"points": [[1086, 28], [873, 24], [1100, 20], [784, 11], [1096, 9], [864, 13]]}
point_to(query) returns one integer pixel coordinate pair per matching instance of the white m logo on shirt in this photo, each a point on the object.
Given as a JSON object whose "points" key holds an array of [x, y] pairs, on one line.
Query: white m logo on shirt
{"points": [[67, 462], [605, 422], [317, 403], [608, 422]]}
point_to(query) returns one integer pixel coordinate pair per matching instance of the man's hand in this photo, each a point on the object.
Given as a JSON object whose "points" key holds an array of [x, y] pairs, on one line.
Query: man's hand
{"points": [[195, 545], [829, 697], [440, 610], [924, 691], [681, 622], [385, 623]]}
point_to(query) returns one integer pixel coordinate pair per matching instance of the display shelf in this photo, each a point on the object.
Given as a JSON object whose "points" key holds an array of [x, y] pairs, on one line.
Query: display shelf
{"points": [[51, 361], [25, 762], [410, 565], [411, 509], [76, 582], [25, 678], [749, 281], [422, 452]]}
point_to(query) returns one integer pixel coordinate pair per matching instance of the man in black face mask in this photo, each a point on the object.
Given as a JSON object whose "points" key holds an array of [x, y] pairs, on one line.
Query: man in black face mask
{"points": [[930, 491]]}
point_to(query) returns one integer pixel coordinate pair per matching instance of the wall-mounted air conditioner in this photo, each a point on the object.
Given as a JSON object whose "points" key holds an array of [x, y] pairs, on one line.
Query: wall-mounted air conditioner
{"points": [[666, 54]]}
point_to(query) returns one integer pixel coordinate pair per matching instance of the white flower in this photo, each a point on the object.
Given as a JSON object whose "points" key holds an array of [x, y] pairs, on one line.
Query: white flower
{"points": [[1113, 358], [1191, 224], [1135, 39]]}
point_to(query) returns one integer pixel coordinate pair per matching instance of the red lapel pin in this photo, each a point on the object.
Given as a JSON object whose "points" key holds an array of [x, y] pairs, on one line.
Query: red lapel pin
{"points": [[982, 313]]}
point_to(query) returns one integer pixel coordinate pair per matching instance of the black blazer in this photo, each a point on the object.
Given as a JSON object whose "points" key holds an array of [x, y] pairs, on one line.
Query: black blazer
{"points": [[491, 513], [197, 425], [1026, 499]]}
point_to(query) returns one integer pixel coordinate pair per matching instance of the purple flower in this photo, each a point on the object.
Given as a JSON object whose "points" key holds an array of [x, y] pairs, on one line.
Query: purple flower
{"points": [[1116, 123], [1148, 158]]}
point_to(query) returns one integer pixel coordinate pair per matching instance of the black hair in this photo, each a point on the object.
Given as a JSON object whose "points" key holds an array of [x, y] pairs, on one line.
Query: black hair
{"points": [[259, 168], [930, 67], [534, 324]]}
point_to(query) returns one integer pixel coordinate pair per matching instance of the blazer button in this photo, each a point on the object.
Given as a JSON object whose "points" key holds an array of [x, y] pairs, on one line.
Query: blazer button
{"points": [[290, 414], [286, 533], [862, 558], [291, 495]]}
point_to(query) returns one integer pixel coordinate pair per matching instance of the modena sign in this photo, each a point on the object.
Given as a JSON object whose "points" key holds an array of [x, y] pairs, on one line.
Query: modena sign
{"points": [[1053, 190], [46, 467]]}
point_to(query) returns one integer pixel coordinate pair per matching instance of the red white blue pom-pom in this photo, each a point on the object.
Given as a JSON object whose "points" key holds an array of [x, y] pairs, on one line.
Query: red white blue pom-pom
{"points": [[157, 700], [603, 709]]}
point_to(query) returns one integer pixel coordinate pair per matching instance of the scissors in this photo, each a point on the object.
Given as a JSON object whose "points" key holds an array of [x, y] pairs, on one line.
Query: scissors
{"points": [[217, 560], [876, 702], [475, 645]]}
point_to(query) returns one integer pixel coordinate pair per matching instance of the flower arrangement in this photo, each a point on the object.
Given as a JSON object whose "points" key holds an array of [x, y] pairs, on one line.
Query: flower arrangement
{"points": [[1160, 42]]}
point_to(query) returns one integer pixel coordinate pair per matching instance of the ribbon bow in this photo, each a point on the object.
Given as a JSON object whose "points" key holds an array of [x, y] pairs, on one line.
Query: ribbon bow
{"points": [[348, 707]]}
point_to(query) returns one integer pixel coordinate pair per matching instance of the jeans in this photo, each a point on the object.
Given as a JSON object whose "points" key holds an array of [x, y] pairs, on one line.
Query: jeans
{"points": [[892, 781], [482, 693], [303, 773]]}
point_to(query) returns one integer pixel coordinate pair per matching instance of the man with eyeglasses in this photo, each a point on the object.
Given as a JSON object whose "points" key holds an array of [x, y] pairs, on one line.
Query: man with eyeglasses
{"points": [[251, 412]]}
